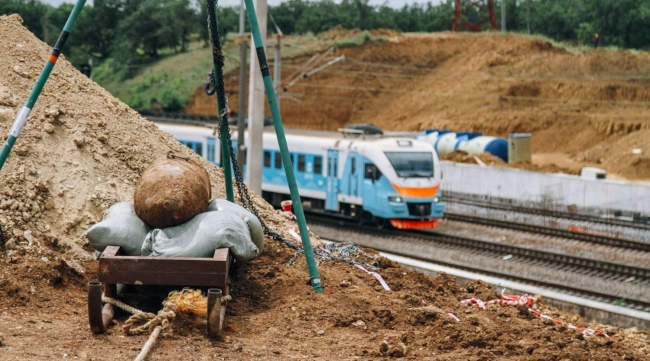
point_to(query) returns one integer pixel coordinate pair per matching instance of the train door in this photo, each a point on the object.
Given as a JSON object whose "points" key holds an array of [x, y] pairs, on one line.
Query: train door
{"points": [[369, 188], [353, 177], [212, 145], [331, 200]]}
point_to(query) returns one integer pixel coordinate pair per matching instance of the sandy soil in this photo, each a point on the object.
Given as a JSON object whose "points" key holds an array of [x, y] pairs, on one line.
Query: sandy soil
{"points": [[591, 108], [83, 150]]}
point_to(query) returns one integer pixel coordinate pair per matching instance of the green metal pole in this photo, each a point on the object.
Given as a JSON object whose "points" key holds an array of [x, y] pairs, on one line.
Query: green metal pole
{"points": [[284, 149], [217, 59], [23, 113]]}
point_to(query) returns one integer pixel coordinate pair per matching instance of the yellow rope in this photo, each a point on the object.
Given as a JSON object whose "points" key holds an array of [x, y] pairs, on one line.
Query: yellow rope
{"points": [[185, 301], [163, 319]]}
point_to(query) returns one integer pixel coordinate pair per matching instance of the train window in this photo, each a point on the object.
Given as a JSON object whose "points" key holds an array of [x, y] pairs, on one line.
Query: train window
{"points": [[195, 146], [211, 146], [353, 166], [267, 159], [371, 172], [318, 164], [278, 160], [335, 167], [301, 162], [411, 164]]}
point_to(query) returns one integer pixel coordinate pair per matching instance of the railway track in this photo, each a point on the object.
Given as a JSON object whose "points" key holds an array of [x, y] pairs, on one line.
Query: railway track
{"points": [[550, 231], [425, 246], [640, 223]]}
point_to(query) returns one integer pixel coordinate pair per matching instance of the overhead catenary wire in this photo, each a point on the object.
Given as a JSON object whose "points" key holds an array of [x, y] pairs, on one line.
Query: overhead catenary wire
{"points": [[306, 66], [311, 72]]}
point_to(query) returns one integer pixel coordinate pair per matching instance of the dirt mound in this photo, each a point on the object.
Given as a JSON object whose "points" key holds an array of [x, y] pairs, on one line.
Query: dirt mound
{"points": [[336, 33], [574, 103], [464, 157], [491, 160], [81, 151], [84, 150]]}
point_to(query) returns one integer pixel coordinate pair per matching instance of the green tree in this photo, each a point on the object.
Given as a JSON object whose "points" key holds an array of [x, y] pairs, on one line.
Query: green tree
{"points": [[32, 12]]}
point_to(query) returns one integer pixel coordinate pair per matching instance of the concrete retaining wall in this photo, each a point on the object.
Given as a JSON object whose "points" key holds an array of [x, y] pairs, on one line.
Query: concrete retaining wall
{"points": [[549, 190]]}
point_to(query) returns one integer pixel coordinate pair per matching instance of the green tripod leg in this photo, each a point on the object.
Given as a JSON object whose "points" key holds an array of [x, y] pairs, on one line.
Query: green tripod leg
{"points": [[23, 113], [284, 149]]}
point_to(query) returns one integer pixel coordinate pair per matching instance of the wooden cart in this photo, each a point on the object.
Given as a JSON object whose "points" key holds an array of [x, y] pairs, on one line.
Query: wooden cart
{"points": [[142, 270]]}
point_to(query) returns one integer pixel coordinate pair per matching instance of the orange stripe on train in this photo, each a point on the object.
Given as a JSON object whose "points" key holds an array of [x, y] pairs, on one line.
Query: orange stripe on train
{"points": [[416, 192], [413, 224]]}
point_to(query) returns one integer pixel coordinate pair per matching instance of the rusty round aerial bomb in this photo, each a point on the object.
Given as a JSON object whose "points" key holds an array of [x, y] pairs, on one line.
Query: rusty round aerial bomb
{"points": [[171, 191]]}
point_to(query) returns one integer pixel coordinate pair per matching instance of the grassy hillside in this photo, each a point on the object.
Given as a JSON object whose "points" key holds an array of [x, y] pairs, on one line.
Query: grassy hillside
{"points": [[168, 83]]}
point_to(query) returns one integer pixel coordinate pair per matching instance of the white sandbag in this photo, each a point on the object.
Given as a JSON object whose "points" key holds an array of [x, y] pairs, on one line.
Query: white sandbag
{"points": [[254, 225], [120, 227], [201, 236]]}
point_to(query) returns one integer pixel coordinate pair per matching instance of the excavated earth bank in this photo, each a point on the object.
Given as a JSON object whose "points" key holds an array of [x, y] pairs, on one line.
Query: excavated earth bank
{"points": [[583, 107]]}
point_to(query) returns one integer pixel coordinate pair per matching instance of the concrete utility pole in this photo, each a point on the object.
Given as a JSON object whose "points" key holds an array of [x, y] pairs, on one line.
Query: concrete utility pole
{"points": [[241, 124], [242, 16], [256, 109], [503, 16]]}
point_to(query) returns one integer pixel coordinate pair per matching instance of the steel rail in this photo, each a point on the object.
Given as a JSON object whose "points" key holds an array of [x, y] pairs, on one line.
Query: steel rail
{"points": [[580, 236], [453, 197]]}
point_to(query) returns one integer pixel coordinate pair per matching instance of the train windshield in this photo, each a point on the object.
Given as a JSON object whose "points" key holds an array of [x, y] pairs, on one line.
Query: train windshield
{"points": [[412, 164]]}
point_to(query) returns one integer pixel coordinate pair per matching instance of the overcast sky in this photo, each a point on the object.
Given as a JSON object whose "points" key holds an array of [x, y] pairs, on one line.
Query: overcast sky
{"points": [[393, 3]]}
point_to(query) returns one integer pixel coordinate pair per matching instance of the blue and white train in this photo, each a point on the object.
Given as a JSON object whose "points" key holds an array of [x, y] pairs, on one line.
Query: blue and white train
{"points": [[381, 180]]}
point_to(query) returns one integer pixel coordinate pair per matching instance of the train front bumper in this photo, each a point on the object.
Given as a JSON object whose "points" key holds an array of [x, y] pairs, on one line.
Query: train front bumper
{"points": [[421, 215]]}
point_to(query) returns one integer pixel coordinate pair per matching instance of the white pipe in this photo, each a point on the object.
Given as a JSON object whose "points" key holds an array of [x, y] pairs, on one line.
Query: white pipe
{"points": [[533, 290]]}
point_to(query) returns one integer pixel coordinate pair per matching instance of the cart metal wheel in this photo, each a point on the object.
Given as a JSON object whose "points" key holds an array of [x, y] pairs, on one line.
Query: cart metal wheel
{"points": [[95, 307], [100, 315], [216, 312]]}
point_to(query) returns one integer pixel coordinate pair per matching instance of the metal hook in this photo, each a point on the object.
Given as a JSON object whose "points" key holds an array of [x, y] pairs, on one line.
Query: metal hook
{"points": [[172, 155]]}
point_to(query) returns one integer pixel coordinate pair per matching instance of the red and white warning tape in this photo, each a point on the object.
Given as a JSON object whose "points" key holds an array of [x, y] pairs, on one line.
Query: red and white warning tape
{"points": [[506, 300], [584, 330], [376, 275], [295, 233], [453, 317], [530, 301]]}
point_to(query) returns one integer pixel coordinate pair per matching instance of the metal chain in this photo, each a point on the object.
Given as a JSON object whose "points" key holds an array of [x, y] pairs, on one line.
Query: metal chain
{"points": [[242, 190], [2, 236], [244, 196]]}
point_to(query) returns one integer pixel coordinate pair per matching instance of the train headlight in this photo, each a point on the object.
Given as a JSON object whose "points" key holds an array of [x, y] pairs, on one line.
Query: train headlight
{"points": [[436, 199], [395, 199]]}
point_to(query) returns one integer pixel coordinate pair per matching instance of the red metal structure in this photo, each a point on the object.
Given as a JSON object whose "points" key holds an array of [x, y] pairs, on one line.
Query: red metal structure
{"points": [[485, 10]]}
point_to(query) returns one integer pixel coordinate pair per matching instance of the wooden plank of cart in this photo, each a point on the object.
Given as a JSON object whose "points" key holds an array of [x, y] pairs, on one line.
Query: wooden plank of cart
{"points": [[115, 268]]}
